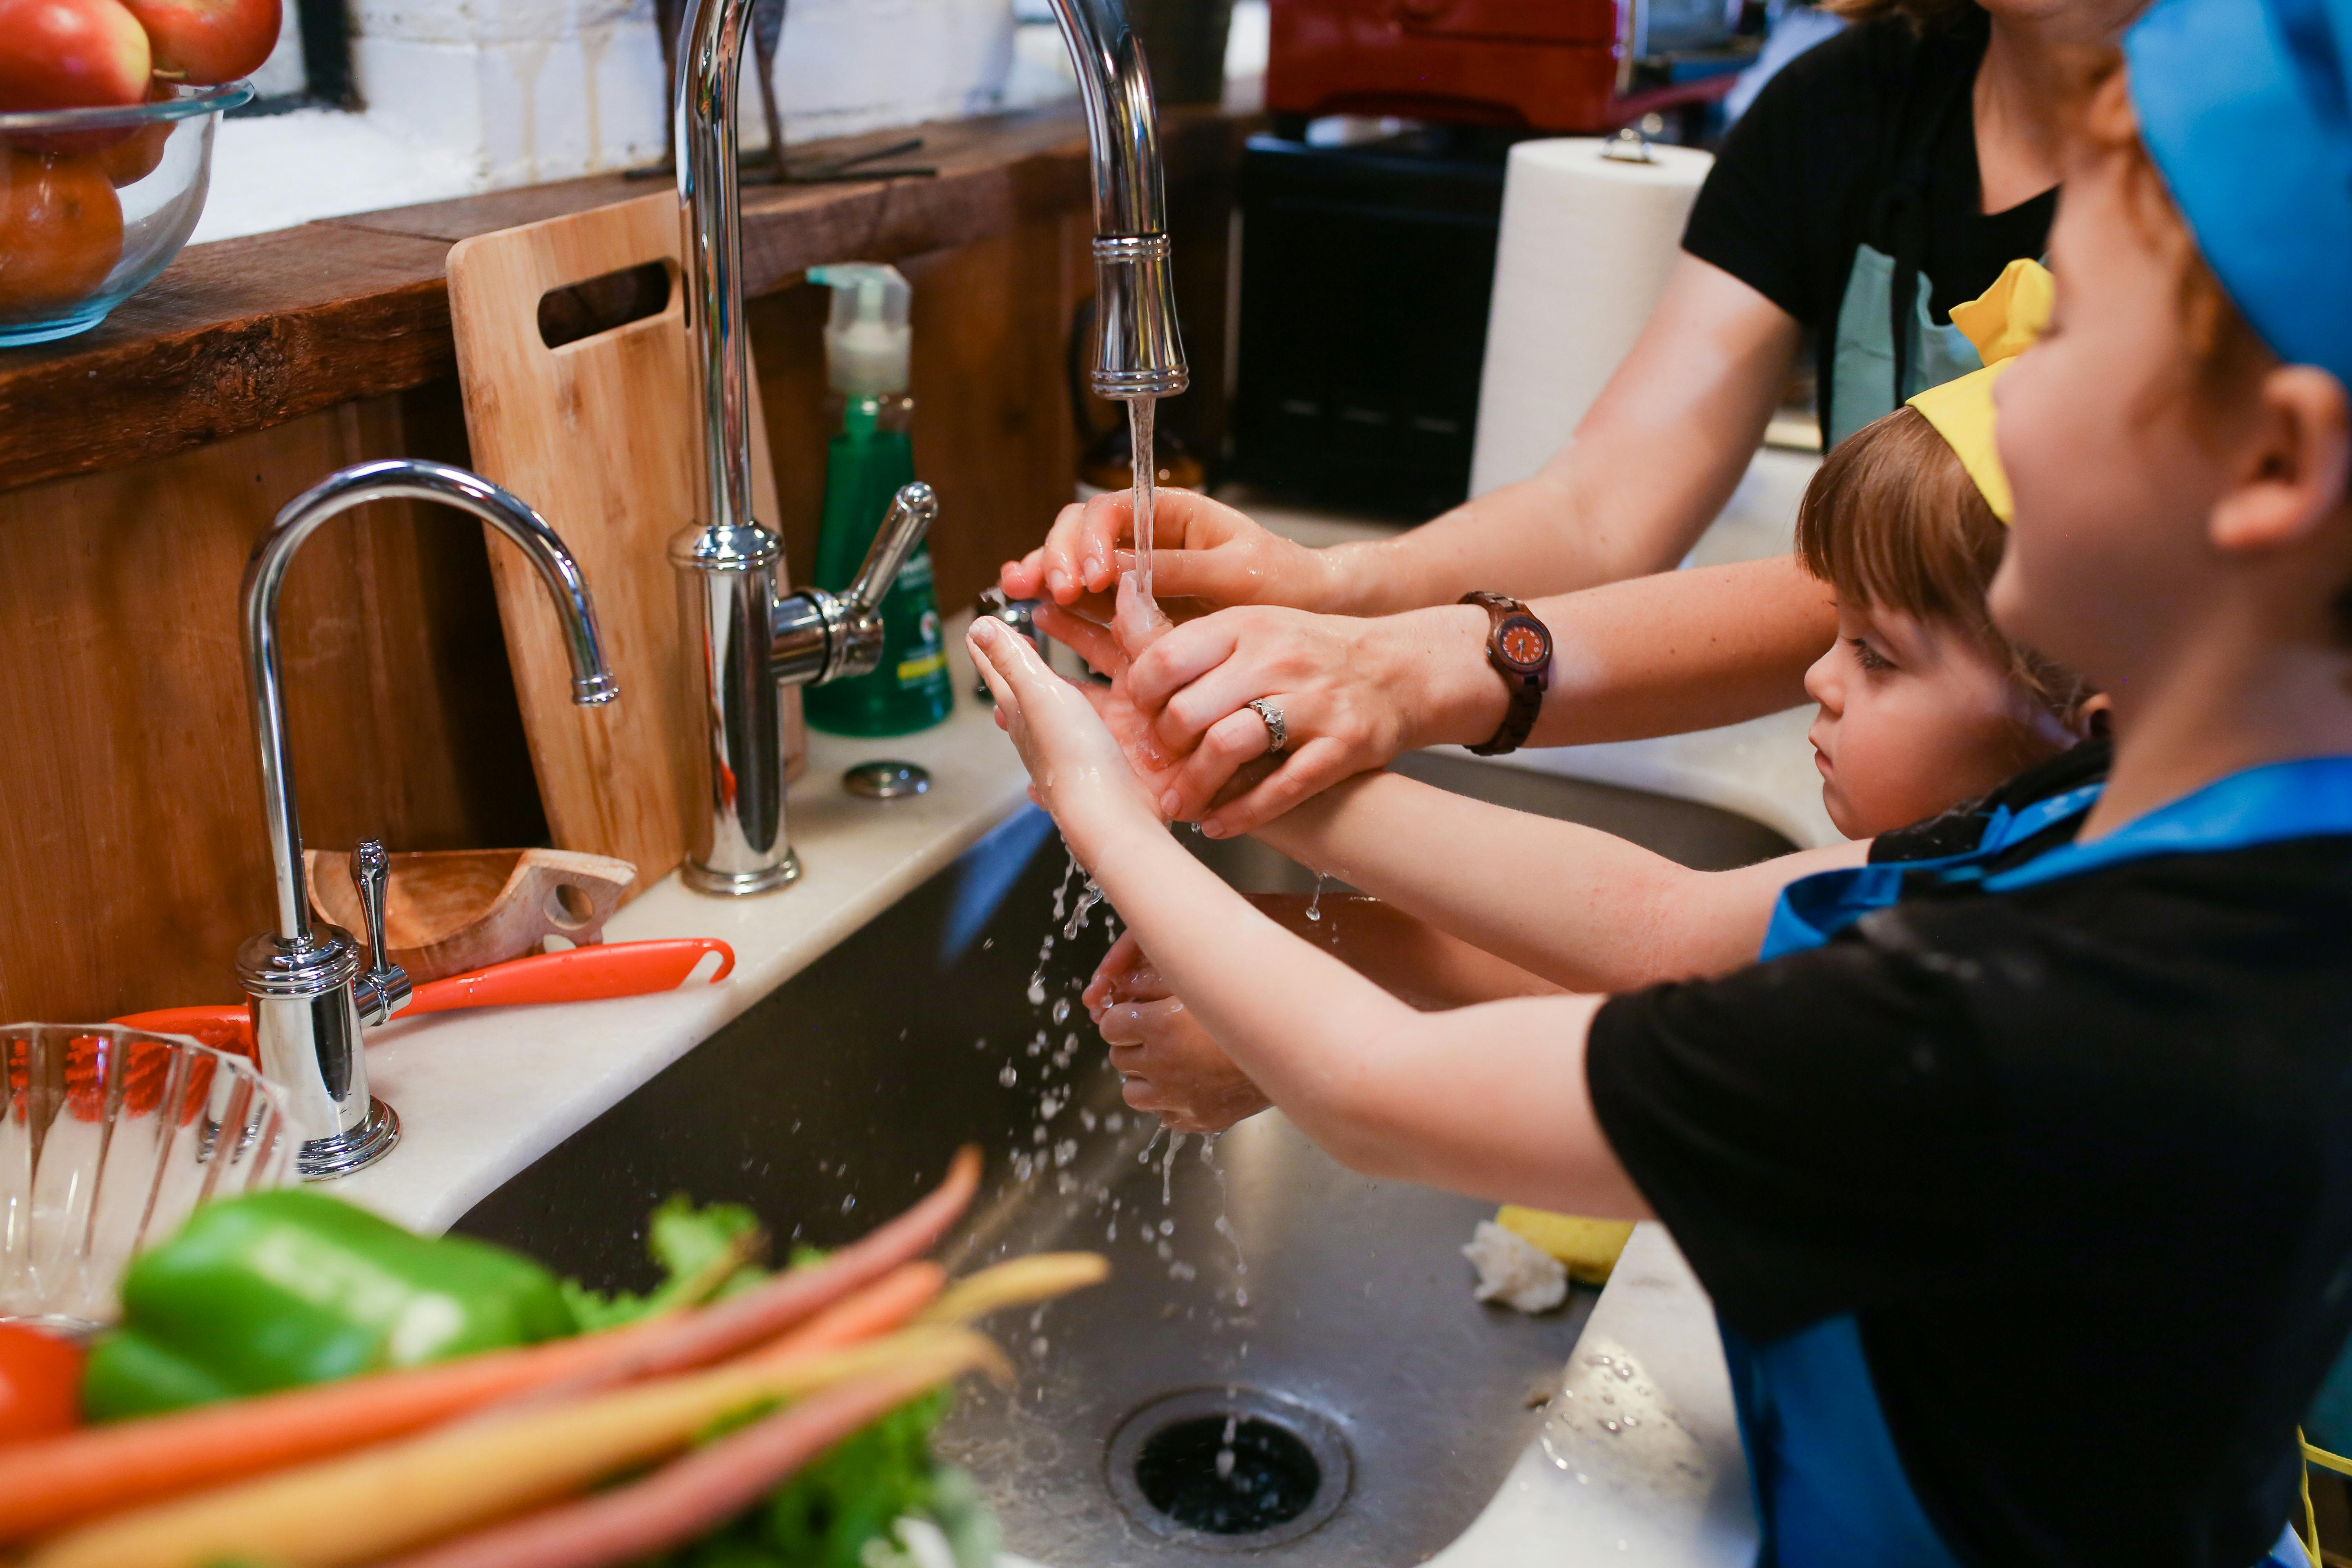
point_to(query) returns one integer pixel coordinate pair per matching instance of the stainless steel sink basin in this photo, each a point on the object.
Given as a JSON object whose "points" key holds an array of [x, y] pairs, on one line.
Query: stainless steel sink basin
{"points": [[1287, 1360]]}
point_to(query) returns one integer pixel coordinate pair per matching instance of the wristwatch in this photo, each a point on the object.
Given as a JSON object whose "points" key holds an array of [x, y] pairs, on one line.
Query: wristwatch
{"points": [[1519, 648]]}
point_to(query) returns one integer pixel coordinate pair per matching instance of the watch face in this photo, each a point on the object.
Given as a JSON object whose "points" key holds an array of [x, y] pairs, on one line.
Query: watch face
{"points": [[1523, 642]]}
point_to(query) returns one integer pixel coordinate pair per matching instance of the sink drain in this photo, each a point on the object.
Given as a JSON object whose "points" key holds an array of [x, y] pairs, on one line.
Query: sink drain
{"points": [[1230, 1468]]}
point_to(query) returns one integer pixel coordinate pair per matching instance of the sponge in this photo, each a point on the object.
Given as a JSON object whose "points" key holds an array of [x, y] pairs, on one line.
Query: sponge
{"points": [[1588, 1246]]}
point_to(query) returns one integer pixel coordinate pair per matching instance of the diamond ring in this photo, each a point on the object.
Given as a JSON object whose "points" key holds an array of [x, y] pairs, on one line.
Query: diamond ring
{"points": [[1277, 733]]}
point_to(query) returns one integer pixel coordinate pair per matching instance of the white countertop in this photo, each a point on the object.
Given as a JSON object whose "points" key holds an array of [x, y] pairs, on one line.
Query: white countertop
{"points": [[1638, 1460]]}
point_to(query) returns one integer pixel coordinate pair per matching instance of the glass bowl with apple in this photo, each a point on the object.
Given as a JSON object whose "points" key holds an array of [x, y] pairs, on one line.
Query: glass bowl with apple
{"points": [[95, 202]]}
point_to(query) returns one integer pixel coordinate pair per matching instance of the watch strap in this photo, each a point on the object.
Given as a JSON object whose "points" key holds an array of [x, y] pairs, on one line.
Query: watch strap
{"points": [[1527, 691]]}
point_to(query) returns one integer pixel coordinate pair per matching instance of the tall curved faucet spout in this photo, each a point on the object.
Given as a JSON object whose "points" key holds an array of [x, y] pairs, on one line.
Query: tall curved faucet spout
{"points": [[393, 479], [309, 996]]}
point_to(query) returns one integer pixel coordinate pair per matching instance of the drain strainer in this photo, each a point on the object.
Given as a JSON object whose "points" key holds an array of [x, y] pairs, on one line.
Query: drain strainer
{"points": [[1229, 1469]]}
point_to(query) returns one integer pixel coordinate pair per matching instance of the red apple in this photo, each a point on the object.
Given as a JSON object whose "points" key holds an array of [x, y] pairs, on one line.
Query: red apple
{"points": [[60, 231], [72, 54], [207, 41]]}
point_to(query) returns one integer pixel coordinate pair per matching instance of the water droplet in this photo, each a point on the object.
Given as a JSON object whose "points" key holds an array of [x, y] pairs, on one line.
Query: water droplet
{"points": [[1009, 1076], [1061, 1012]]}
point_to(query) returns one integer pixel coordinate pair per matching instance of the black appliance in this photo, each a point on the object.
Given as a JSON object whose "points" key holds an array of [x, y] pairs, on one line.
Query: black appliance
{"points": [[1365, 275]]}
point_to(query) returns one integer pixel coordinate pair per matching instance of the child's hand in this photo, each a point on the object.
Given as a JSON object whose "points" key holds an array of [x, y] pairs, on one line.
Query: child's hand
{"points": [[1169, 1063], [1078, 771]]}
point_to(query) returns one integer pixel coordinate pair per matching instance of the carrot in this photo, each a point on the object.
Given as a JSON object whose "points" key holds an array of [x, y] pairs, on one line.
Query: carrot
{"points": [[362, 1507], [1040, 1277], [99, 1468], [47, 1484], [767, 1310], [687, 1497], [888, 1303]]}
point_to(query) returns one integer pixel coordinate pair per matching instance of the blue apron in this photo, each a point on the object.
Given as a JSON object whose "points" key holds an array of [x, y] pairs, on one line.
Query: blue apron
{"points": [[1829, 1488]]}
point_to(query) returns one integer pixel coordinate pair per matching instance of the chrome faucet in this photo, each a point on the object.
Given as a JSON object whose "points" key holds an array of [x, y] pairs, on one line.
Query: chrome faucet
{"points": [[1138, 352], [310, 997], [747, 638]]}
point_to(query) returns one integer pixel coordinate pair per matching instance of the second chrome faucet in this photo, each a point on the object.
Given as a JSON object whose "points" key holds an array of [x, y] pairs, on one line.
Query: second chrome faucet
{"points": [[747, 638]]}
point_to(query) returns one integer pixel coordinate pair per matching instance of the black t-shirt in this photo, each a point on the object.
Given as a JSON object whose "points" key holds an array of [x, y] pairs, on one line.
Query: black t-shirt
{"points": [[1806, 175], [2077, 1157]]}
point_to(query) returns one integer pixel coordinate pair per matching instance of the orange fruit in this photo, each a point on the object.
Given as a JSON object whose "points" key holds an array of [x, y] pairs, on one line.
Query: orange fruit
{"points": [[60, 230]]}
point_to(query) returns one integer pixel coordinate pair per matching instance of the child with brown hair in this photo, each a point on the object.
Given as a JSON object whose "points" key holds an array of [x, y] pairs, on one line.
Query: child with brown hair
{"points": [[1934, 1155]]}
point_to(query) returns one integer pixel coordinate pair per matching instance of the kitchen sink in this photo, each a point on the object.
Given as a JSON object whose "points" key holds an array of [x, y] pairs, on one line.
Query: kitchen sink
{"points": [[1286, 1360]]}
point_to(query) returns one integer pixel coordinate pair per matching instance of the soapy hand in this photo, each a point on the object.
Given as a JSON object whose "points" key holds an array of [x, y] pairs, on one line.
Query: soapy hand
{"points": [[1076, 741], [1167, 1062]]}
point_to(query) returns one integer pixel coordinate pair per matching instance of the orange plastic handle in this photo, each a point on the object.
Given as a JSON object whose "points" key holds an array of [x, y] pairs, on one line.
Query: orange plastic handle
{"points": [[577, 975]]}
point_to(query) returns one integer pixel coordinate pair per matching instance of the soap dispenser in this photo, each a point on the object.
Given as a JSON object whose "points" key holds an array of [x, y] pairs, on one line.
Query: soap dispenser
{"points": [[872, 454]]}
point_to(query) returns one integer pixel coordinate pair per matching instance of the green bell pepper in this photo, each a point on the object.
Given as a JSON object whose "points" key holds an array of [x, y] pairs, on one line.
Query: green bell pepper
{"points": [[280, 1288]]}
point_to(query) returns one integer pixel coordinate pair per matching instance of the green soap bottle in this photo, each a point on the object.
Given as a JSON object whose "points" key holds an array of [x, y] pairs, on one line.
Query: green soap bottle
{"points": [[865, 347]]}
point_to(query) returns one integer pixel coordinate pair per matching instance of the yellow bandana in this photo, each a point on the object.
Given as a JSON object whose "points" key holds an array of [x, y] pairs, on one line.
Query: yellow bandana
{"points": [[2002, 322]]}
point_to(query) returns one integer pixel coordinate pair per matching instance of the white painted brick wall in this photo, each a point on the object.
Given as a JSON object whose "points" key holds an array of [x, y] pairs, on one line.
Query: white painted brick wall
{"points": [[466, 96]]}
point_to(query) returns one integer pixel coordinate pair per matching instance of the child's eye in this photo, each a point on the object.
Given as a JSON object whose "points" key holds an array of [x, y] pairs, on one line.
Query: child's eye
{"points": [[1869, 658]]}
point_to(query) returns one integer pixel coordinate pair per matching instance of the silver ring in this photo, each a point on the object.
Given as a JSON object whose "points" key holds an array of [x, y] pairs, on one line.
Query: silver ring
{"points": [[1277, 733]]}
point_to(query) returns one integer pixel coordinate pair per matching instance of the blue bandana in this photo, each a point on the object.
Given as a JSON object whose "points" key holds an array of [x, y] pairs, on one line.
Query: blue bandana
{"points": [[2246, 107]]}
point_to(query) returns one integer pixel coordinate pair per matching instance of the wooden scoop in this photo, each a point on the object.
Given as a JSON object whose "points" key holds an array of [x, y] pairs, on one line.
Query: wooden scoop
{"points": [[449, 911]]}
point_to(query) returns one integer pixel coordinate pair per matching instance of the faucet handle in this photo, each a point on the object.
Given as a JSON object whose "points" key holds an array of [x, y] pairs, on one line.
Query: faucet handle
{"points": [[384, 989], [912, 512]]}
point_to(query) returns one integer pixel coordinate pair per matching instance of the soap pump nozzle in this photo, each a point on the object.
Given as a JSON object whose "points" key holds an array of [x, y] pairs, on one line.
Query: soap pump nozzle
{"points": [[867, 338]]}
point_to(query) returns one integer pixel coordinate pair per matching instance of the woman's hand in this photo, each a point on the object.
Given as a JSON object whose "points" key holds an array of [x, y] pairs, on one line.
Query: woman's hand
{"points": [[1077, 769], [1202, 551], [1353, 692], [1168, 1063]]}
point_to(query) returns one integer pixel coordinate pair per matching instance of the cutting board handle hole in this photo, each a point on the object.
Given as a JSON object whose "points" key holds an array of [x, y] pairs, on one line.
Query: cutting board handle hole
{"points": [[569, 906], [602, 304]]}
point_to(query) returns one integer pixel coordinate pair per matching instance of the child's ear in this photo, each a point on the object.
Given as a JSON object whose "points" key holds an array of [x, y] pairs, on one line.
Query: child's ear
{"points": [[2296, 463]]}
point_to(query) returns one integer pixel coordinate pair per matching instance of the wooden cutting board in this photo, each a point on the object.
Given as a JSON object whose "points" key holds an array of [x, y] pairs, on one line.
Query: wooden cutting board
{"points": [[602, 436]]}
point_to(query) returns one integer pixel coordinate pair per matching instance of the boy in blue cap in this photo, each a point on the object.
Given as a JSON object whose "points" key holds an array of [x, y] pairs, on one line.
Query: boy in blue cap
{"points": [[1943, 1158]]}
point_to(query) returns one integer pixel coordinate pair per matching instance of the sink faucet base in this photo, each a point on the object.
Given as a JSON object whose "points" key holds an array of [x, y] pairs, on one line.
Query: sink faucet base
{"points": [[324, 1159], [741, 884]]}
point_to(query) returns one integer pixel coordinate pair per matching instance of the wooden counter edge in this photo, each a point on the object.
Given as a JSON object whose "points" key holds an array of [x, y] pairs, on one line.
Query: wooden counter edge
{"points": [[244, 334]]}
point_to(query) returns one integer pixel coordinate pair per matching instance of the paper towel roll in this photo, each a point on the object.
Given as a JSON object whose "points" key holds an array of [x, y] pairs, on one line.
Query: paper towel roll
{"points": [[1586, 244]]}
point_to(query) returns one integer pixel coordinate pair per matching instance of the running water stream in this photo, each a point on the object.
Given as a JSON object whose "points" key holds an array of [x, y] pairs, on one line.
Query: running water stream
{"points": [[1144, 458]]}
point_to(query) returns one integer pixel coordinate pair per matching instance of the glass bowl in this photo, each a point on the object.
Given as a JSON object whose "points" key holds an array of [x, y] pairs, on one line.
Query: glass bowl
{"points": [[95, 202], [112, 1137]]}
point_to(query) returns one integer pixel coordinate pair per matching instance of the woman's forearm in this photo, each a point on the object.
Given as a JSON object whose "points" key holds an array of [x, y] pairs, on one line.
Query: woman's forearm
{"points": [[1650, 465], [1655, 656], [1681, 651]]}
